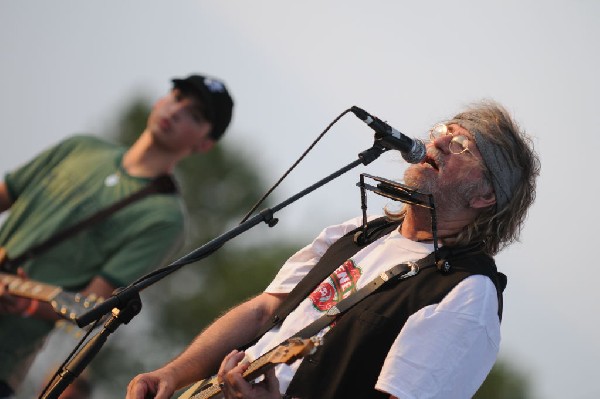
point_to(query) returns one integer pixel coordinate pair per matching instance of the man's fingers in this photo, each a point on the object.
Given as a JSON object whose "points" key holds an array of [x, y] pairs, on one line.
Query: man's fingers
{"points": [[21, 273], [271, 380], [228, 363], [141, 388]]}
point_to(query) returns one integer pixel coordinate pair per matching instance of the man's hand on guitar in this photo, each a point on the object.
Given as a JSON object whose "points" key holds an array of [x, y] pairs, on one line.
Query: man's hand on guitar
{"points": [[234, 385], [12, 304], [158, 384]]}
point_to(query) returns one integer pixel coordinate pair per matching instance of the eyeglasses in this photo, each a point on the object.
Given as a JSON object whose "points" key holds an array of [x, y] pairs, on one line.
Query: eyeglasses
{"points": [[457, 145]]}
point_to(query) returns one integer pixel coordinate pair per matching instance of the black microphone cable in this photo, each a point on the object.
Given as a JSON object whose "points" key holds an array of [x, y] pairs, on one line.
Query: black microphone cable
{"points": [[304, 154]]}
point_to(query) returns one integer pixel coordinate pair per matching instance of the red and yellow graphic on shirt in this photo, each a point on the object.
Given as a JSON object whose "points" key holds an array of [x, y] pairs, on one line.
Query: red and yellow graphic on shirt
{"points": [[339, 285]]}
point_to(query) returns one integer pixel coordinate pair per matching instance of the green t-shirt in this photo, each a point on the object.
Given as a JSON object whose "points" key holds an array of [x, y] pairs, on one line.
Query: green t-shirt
{"points": [[61, 186]]}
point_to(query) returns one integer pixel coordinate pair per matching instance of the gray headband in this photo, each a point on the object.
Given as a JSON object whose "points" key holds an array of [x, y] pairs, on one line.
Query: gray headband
{"points": [[505, 174]]}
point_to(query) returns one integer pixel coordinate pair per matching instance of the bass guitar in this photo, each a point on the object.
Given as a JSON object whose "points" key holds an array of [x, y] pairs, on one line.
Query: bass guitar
{"points": [[288, 352]]}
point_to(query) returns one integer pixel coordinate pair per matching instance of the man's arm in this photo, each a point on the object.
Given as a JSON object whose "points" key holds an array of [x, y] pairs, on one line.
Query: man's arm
{"points": [[204, 355], [5, 200]]}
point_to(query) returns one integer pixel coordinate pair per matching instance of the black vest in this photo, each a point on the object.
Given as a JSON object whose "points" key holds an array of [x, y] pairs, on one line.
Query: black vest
{"points": [[349, 361]]}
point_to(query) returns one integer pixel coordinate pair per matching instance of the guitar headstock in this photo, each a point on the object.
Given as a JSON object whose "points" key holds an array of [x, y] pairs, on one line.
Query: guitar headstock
{"points": [[293, 349], [71, 306]]}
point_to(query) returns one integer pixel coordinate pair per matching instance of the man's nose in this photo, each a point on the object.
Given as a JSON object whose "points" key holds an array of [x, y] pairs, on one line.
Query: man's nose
{"points": [[175, 111], [442, 143]]}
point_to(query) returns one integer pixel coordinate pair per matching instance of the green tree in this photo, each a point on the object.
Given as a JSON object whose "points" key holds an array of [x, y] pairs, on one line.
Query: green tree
{"points": [[504, 382]]}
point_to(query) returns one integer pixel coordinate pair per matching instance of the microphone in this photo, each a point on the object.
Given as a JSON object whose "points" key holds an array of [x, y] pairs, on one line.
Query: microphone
{"points": [[413, 150]]}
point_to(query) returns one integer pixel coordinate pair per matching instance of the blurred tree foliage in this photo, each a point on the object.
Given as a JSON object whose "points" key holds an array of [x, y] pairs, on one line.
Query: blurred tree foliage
{"points": [[504, 382], [218, 189]]}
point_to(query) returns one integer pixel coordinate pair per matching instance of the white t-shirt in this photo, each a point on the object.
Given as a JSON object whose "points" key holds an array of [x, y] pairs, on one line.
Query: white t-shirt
{"points": [[443, 351]]}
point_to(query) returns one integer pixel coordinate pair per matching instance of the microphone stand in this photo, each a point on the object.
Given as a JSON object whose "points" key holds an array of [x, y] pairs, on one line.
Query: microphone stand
{"points": [[125, 303], [80, 361]]}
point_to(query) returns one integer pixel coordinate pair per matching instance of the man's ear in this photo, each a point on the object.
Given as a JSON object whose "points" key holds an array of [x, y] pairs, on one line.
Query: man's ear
{"points": [[483, 201], [205, 145]]}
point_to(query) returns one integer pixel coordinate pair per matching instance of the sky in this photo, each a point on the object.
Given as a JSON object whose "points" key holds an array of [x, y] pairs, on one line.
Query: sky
{"points": [[67, 67]]}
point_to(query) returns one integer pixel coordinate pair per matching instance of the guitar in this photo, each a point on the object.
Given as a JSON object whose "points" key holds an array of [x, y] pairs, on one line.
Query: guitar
{"points": [[288, 352], [68, 305]]}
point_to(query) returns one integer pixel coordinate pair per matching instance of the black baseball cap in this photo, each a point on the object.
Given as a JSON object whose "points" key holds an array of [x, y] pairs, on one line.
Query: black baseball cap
{"points": [[215, 97]]}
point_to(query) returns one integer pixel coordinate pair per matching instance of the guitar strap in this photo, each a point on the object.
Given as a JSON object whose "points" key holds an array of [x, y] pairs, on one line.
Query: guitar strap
{"points": [[163, 184], [344, 248], [341, 250], [398, 272]]}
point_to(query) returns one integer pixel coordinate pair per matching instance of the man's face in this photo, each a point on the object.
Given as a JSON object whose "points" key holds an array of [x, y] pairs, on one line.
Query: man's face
{"points": [[178, 124], [452, 178]]}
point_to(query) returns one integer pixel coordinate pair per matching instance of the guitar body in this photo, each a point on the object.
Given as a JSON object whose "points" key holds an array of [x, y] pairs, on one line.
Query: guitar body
{"points": [[287, 352], [68, 305]]}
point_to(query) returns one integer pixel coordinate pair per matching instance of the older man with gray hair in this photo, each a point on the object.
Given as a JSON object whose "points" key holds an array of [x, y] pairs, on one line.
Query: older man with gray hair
{"points": [[407, 305]]}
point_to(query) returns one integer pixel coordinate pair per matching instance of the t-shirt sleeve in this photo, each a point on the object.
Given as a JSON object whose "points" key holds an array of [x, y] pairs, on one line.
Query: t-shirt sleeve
{"points": [[446, 350], [40, 167]]}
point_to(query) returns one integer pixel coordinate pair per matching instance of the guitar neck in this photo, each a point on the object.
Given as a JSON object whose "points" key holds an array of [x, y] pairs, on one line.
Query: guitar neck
{"points": [[29, 289], [259, 366], [206, 389], [287, 352]]}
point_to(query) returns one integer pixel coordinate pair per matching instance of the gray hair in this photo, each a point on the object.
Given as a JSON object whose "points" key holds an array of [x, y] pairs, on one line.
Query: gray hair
{"points": [[512, 166], [504, 173]]}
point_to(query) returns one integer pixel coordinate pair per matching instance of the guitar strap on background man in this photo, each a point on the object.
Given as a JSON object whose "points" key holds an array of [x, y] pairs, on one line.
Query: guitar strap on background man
{"points": [[161, 185]]}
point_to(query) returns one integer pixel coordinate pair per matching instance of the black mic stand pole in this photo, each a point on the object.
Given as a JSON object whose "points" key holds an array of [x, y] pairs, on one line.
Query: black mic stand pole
{"points": [[80, 361], [129, 296]]}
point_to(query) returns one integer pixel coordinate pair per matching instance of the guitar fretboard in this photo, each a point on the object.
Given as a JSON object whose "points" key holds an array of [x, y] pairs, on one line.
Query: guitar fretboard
{"points": [[28, 288], [287, 352], [254, 368]]}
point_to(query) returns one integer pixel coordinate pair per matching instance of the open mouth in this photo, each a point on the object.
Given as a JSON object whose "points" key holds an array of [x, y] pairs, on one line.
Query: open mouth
{"points": [[431, 162]]}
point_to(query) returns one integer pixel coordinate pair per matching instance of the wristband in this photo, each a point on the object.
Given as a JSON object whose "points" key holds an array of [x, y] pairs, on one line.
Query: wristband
{"points": [[31, 309]]}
